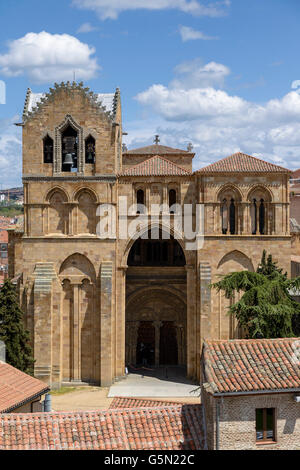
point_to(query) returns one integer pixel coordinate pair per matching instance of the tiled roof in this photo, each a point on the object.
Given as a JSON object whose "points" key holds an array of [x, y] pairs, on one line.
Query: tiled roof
{"points": [[168, 428], [156, 150], [236, 366], [17, 388], [120, 402], [296, 174], [156, 166], [240, 162], [3, 236]]}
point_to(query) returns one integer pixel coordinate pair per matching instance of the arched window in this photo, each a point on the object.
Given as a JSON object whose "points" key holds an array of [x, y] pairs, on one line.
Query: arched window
{"points": [[69, 150], [232, 217], [48, 149], [262, 217], [172, 200], [261, 211], [254, 217], [140, 200], [90, 146], [224, 215]]}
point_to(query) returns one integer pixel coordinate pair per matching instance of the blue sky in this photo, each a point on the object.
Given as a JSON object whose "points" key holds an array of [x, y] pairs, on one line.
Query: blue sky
{"points": [[220, 74]]}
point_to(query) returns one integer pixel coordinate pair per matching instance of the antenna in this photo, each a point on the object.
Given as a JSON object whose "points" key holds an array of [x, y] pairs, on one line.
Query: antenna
{"points": [[74, 76]]}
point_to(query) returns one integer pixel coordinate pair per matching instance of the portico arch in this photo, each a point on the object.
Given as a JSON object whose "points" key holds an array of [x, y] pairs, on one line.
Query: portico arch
{"points": [[156, 302]]}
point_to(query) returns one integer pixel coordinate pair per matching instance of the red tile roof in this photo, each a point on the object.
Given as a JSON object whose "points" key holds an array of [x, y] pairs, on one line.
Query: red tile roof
{"points": [[240, 162], [3, 236], [251, 365], [17, 388], [168, 428], [296, 174], [120, 402], [156, 166], [157, 150]]}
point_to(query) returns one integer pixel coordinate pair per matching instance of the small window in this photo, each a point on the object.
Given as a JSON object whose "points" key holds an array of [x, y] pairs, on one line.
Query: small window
{"points": [[90, 146], [48, 150], [265, 425], [3, 247]]}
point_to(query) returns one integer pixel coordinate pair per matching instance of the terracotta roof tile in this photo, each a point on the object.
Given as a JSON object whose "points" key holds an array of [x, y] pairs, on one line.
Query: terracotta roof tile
{"points": [[157, 150], [251, 365], [17, 388], [120, 402], [3, 236], [166, 428], [156, 166], [240, 162]]}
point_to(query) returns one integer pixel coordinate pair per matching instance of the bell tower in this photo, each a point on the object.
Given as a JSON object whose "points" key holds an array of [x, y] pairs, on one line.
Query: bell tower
{"points": [[72, 146]]}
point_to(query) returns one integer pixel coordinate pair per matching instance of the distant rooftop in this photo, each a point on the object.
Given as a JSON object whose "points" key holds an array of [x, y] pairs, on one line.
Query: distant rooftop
{"points": [[241, 162], [157, 149]]}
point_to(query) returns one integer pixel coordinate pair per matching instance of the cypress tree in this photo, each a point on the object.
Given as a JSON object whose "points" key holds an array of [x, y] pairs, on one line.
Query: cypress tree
{"points": [[13, 332], [266, 309]]}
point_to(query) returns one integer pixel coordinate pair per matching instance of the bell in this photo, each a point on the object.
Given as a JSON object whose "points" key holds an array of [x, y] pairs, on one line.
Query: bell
{"points": [[68, 159], [90, 157]]}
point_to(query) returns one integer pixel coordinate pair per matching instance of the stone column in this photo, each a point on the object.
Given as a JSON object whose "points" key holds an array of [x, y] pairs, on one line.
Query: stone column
{"points": [[205, 304], [106, 366], [42, 328], [76, 329], [157, 325], [120, 321], [191, 322]]}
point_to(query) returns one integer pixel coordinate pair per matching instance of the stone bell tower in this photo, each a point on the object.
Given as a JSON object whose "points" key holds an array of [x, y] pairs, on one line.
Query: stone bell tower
{"points": [[72, 144]]}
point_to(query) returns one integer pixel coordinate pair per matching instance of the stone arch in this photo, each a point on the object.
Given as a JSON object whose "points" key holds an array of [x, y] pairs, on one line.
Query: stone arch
{"points": [[261, 211], [77, 265], [235, 259], [78, 277], [174, 292], [58, 222], [53, 190], [173, 232], [86, 211], [159, 311], [229, 190], [260, 191], [68, 121]]}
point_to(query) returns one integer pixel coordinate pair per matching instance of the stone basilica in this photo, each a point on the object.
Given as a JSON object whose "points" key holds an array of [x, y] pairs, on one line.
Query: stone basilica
{"points": [[91, 303]]}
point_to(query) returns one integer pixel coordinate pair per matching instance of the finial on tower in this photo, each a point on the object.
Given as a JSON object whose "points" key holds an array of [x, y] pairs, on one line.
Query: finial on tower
{"points": [[190, 147], [157, 140]]}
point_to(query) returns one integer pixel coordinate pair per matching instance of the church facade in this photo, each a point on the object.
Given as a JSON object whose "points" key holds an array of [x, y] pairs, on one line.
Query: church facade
{"points": [[92, 303]]}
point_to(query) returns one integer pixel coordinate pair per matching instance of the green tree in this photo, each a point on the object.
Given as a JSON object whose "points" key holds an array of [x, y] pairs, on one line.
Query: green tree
{"points": [[12, 330], [266, 309]]}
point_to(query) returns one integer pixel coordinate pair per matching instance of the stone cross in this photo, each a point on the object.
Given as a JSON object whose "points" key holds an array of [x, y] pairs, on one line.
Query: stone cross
{"points": [[157, 139]]}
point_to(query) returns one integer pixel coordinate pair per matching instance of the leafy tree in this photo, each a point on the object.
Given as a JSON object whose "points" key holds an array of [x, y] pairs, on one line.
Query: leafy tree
{"points": [[12, 331], [266, 309]]}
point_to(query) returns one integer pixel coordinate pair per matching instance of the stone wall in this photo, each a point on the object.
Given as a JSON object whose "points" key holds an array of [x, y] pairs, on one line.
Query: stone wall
{"points": [[237, 430]]}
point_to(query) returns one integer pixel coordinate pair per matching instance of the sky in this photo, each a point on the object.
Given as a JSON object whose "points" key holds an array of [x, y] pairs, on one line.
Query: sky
{"points": [[223, 75]]}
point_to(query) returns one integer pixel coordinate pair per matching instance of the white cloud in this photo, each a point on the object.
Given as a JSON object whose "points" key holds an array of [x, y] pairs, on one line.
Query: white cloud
{"points": [[10, 153], [46, 57], [112, 8], [189, 34], [219, 123], [193, 74], [86, 28]]}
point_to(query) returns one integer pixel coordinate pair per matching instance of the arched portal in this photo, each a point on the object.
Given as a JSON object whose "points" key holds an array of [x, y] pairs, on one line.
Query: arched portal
{"points": [[156, 317]]}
